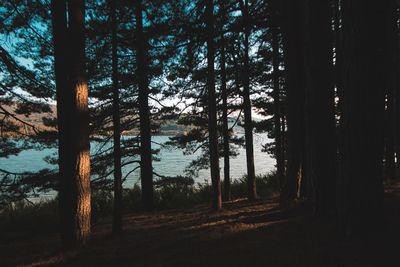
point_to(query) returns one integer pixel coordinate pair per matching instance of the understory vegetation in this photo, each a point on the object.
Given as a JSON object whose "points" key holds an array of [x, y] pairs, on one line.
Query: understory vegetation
{"points": [[24, 219]]}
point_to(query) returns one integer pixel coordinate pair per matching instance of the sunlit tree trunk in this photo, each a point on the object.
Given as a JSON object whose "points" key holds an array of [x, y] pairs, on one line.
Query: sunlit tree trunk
{"points": [[117, 212], [360, 189], [80, 125], [146, 169], [212, 109], [73, 121]]}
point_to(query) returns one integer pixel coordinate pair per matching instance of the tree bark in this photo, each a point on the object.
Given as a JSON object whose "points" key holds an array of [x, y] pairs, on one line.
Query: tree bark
{"points": [[225, 127], [391, 82], [360, 189], [80, 112], [64, 97], [117, 212], [73, 122], [319, 107], [146, 169], [212, 109], [277, 102], [292, 32], [248, 124]]}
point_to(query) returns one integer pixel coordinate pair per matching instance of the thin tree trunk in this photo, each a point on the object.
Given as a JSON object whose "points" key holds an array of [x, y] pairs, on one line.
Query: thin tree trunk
{"points": [[212, 109], [117, 212], [283, 138], [146, 169], [225, 127], [248, 124], [361, 189], [293, 53], [277, 103], [319, 103]]}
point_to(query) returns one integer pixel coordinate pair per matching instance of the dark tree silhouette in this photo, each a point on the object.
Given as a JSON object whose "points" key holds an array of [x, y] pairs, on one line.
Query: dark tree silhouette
{"points": [[292, 32], [248, 125], [117, 213], [212, 108], [360, 185], [146, 169], [72, 111], [319, 107]]}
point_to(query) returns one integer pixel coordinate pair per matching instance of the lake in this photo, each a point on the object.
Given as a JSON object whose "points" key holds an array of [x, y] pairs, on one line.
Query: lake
{"points": [[172, 163]]}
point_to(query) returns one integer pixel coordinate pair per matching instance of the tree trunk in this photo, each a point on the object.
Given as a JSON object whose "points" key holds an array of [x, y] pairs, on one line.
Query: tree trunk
{"points": [[225, 127], [391, 85], [80, 112], [73, 122], [360, 189], [292, 32], [248, 124], [64, 96], [212, 109], [397, 92], [146, 169], [117, 212], [319, 106], [277, 103]]}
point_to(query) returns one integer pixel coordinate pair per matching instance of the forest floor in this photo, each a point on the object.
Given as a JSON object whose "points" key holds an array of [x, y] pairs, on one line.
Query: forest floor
{"points": [[242, 234]]}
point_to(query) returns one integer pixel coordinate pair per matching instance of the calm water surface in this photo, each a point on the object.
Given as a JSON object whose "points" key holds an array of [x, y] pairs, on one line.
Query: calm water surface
{"points": [[172, 163]]}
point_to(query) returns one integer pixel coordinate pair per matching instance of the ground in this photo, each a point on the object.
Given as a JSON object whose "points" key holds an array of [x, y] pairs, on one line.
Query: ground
{"points": [[242, 234]]}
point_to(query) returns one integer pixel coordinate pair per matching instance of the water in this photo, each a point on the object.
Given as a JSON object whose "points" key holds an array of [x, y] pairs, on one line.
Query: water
{"points": [[172, 163]]}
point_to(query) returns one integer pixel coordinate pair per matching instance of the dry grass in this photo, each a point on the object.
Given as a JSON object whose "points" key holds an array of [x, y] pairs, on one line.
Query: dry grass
{"points": [[242, 234]]}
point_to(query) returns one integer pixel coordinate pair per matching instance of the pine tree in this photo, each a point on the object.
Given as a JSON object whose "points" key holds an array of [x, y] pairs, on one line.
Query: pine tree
{"points": [[360, 188], [72, 111]]}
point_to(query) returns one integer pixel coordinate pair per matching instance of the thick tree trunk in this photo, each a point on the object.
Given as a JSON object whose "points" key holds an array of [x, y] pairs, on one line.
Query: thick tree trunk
{"points": [[277, 103], [73, 122], [397, 92], [225, 127], [80, 124], [360, 189], [117, 212], [146, 169], [212, 109], [293, 53], [391, 86], [64, 96], [248, 124], [319, 106]]}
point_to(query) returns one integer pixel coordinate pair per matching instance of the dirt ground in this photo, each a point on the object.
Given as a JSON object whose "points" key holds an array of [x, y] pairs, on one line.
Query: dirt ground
{"points": [[243, 234]]}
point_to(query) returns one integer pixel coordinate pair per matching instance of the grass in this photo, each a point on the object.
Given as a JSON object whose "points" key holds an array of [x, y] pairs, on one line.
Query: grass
{"points": [[25, 220]]}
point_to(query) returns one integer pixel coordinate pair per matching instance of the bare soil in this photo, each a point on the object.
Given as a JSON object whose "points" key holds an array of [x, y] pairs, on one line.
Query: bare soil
{"points": [[242, 234]]}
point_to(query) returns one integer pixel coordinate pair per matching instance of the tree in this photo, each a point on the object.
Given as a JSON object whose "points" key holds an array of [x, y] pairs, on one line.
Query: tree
{"points": [[248, 127], [225, 128], [319, 107], [292, 32], [117, 215], [360, 185], [73, 121], [280, 163], [212, 109], [146, 169]]}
